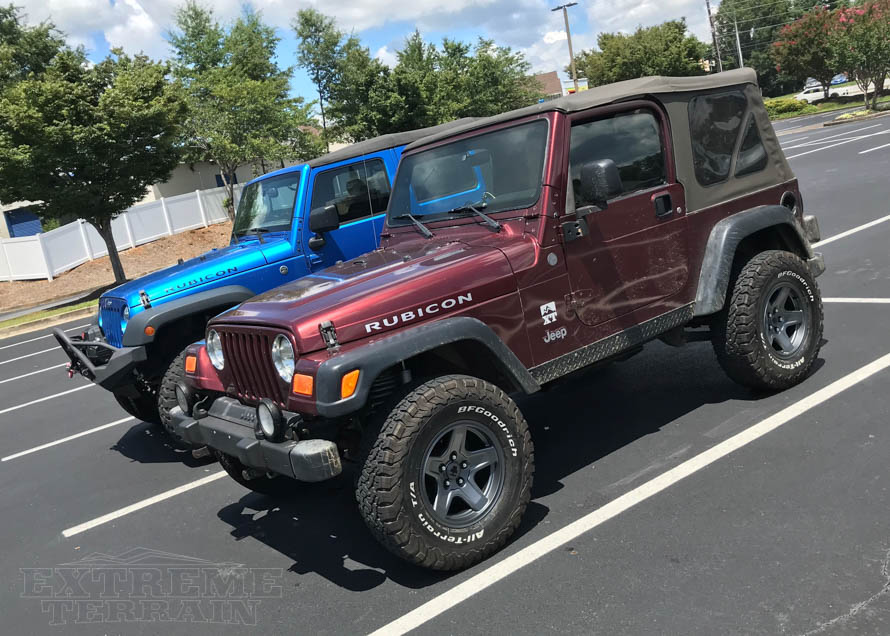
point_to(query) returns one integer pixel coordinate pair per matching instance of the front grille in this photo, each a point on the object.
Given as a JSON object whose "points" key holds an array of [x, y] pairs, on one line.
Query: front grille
{"points": [[248, 356], [111, 311]]}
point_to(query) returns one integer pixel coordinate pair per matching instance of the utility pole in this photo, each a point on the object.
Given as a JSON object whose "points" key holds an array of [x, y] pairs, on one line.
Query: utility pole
{"points": [[738, 43], [565, 15], [714, 36]]}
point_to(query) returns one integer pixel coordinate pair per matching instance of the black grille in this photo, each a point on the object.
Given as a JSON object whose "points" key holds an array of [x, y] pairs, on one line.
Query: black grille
{"points": [[248, 356]]}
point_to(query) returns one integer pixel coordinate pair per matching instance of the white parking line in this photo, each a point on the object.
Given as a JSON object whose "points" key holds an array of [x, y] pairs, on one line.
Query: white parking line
{"points": [[840, 143], [25, 375], [139, 505], [64, 439], [49, 335], [840, 134], [48, 397], [491, 575], [864, 152], [876, 301], [858, 228], [36, 353]]}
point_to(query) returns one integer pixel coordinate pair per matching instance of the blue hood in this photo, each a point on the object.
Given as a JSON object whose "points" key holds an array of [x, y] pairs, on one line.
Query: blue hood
{"points": [[209, 269]]}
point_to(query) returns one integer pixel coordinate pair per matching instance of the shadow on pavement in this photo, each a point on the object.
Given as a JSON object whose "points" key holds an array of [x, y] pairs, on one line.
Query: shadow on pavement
{"points": [[149, 444]]}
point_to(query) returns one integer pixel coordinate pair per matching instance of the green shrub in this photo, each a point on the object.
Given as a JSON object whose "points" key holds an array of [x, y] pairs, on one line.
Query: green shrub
{"points": [[785, 105]]}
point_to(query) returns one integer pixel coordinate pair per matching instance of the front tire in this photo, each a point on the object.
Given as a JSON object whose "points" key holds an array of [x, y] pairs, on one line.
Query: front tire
{"points": [[279, 486], [144, 407], [770, 331], [449, 476], [167, 391]]}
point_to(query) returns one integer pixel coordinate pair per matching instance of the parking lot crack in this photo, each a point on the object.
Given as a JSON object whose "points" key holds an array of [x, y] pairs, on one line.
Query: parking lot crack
{"points": [[857, 608]]}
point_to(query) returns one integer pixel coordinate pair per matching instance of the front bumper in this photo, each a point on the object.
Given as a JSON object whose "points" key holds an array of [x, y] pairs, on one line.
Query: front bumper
{"points": [[89, 355], [228, 428]]}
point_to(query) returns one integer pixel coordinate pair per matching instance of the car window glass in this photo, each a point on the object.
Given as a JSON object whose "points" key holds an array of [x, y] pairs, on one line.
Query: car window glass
{"points": [[268, 204], [358, 190], [632, 140], [752, 154], [714, 123]]}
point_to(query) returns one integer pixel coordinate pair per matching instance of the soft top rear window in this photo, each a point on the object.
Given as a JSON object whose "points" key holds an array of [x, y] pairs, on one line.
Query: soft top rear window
{"points": [[714, 125]]}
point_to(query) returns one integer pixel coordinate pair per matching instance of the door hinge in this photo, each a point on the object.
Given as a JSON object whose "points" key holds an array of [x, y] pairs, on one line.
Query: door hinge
{"points": [[572, 230]]}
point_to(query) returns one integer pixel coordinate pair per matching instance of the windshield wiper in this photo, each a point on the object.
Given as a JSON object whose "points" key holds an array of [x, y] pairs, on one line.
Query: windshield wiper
{"points": [[420, 226], [470, 207], [257, 231]]}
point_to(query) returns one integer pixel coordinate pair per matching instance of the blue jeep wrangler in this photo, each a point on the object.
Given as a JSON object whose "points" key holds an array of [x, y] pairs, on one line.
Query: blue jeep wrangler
{"points": [[136, 350]]}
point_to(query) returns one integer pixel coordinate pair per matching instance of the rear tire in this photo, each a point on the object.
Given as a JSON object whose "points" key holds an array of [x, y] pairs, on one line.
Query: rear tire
{"points": [[143, 408], [770, 331], [449, 475]]}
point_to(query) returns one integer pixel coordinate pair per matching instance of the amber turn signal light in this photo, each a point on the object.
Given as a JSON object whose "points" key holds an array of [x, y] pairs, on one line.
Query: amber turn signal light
{"points": [[302, 384], [348, 384], [149, 331], [191, 363]]}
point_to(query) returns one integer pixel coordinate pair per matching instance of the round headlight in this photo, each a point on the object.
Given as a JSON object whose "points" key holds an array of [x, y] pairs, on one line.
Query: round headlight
{"points": [[126, 313], [283, 357], [215, 351]]}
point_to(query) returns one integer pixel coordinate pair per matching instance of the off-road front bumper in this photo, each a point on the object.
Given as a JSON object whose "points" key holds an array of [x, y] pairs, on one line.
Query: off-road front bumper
{"points": [[229, 427], [109, 367]]}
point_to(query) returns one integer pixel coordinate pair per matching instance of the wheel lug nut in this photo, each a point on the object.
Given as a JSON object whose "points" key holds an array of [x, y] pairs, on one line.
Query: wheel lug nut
{"points": [[463, 464], [453, 456], [441, 468], [460, 482], [447, 484]]}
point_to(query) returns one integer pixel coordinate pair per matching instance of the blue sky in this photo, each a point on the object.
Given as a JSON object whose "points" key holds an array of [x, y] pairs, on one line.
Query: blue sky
{"points": [[526, 25]]}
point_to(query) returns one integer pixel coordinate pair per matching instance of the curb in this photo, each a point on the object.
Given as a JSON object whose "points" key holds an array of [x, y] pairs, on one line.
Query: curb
{"points": [[49, 321], [854, 120]]}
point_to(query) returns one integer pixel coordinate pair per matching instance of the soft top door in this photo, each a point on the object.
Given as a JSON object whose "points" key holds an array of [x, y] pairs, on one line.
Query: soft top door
{"points": [[635, 254]]}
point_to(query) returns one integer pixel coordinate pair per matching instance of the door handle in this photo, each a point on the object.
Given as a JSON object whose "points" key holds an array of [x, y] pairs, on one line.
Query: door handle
{"points": [[663, 205]]}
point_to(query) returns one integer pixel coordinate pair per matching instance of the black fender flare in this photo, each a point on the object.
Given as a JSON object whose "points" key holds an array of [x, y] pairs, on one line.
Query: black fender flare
{"points": [[373, 358], [163, 314], [725, 237]]}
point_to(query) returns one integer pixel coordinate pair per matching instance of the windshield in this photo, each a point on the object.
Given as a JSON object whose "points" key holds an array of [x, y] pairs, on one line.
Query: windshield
{"points": [[267, 205], [500, 170]]}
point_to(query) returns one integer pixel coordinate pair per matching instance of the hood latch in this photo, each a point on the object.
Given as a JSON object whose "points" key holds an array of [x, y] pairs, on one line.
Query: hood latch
{"points": [[143, 297], [329, 335]]}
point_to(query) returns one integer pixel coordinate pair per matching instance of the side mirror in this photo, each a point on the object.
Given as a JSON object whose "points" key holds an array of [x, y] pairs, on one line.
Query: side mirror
{"points": [[600, 182], [324, 219]]}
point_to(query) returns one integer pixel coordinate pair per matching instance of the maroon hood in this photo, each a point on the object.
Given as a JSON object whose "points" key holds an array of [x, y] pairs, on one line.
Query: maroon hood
{"points": [[386, 289]]}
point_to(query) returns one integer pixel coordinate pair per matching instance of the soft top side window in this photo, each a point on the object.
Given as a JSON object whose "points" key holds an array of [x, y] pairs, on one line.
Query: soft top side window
{"points": [[752, 154], [714, 125], [631, 139]]}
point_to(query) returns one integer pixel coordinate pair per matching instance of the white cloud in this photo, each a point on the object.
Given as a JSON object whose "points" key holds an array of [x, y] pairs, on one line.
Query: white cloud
{"points": [[385, 55], [554, 36]]}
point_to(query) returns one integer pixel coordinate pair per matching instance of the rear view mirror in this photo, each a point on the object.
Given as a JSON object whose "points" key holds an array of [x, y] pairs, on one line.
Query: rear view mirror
{"points": [[324, 219], [600, 182]]}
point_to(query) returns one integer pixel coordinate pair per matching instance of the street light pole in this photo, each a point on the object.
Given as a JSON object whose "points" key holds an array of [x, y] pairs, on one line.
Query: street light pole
{"points": [[565, 15]]}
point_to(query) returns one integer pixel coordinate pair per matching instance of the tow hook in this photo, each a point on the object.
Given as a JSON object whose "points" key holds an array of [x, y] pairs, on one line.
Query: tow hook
{"points": [[70, 371]]}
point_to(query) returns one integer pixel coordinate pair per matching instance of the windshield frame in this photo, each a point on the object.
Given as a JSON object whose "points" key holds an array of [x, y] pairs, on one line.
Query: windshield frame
{"points": [[453, 216], [295, 177]]}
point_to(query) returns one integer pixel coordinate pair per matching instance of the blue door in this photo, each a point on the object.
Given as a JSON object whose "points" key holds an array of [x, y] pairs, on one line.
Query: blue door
{"points": [[360, 192], [22, 222]]}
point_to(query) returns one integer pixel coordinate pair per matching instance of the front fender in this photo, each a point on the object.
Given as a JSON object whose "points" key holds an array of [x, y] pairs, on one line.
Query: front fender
{"points": [[374, 358], [716, 267], [221, 298]]}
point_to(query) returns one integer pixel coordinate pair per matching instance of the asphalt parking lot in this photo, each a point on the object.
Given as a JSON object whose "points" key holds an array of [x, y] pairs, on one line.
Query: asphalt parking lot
{"points": [[667, 500]]}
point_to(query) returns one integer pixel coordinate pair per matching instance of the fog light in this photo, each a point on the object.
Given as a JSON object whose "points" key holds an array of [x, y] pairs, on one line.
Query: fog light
{"points": [[184, 398], [269, 421]]}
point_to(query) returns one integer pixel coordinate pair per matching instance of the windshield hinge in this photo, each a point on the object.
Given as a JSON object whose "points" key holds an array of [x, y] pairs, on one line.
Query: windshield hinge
{"points": [[329, 335]]}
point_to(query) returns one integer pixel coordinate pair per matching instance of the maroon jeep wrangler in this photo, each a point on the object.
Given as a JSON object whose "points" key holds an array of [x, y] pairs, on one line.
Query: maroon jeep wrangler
{"points": [[517, 249]]}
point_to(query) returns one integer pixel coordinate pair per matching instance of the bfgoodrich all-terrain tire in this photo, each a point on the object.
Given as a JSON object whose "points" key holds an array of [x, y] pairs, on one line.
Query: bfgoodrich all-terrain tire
{"points": [[167, 390], [770, 331], [448, 477]]}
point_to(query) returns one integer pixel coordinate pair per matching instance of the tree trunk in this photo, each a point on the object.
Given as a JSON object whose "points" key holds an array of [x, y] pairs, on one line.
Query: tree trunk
{"points": [[227, 178], [826, 87], [324, 125], [104, 229]]}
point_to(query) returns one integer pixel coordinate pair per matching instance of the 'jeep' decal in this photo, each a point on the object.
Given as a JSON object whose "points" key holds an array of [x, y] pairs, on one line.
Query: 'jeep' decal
{"points": [[201, 279], [420, 312]]}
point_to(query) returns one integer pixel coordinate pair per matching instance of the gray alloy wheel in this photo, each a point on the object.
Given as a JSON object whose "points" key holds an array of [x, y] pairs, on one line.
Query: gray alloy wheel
{"points": [[785, 320], [463, 474]]}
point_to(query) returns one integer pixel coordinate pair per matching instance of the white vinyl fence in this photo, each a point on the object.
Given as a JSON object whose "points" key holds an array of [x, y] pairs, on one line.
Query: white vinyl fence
{"points": [[50, 253]]}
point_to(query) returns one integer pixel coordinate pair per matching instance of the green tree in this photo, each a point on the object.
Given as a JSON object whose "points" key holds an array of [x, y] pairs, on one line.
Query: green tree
{"points": [[87, 140], [239, 108], [319, 52], [663, 49], [860, 41], [23, 49], [804, 50]]}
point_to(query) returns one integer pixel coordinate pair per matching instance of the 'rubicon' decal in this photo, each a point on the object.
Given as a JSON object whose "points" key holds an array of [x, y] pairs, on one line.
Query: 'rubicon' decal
{"points": [[419, 312]]}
